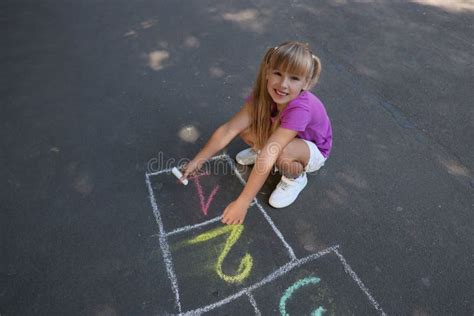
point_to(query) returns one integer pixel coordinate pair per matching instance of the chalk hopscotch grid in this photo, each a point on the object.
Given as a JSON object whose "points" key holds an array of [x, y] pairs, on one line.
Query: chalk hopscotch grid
{"points": [[293, 263]]}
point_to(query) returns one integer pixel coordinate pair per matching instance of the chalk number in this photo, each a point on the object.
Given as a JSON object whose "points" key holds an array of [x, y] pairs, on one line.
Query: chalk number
{"points": [[295, 286], [246, 263]]}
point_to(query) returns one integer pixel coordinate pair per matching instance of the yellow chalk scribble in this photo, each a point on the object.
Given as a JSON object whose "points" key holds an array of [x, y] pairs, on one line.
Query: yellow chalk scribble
{"points": [[245, 265]]}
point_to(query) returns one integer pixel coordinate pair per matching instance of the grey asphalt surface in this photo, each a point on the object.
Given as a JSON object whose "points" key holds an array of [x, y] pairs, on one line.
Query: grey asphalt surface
{"points": [[92, 91]]}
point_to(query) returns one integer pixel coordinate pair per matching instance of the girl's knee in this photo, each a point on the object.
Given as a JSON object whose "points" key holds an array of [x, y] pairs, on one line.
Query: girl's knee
{"points": [[291, 169], [246, 136], [293, 156], [285, 156], [288, 165], [284, 162]]}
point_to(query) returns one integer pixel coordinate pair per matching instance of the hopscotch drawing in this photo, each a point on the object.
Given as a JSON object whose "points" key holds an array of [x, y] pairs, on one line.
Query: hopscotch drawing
{"points": [[242, 269]]}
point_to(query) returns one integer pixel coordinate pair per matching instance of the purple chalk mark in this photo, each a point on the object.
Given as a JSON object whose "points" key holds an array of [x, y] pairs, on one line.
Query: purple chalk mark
{"points": [[204, 204]]}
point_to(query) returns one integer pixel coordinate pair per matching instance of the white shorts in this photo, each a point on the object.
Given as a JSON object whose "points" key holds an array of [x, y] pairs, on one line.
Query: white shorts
{"points": [[316, 159]]}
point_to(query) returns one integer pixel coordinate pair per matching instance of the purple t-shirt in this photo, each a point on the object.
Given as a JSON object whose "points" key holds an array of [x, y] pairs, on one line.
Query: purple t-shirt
{"points": [[307, 116]]}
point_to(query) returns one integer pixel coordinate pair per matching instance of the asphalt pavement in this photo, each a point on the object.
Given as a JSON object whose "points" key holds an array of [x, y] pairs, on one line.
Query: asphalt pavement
{"points": [[95, 95]]}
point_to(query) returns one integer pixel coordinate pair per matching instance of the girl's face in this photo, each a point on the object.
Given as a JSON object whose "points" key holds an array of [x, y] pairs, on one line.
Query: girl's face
{"points": [[283, 86]]}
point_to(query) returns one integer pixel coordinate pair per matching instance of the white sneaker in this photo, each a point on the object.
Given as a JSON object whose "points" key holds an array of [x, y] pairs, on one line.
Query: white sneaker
{"points": [[287, 191], [247, 157]]}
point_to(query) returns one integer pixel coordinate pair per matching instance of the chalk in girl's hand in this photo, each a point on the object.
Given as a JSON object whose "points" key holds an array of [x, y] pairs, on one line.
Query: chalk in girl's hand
{"points": [[179, 175]]}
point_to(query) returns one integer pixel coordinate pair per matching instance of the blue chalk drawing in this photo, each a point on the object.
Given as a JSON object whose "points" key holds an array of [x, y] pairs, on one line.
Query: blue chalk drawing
{"points": [[295, 286], [318, 312]]}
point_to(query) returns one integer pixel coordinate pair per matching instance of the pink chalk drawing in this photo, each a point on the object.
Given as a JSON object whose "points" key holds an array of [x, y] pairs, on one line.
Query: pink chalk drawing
{"points": [[204, 204]]}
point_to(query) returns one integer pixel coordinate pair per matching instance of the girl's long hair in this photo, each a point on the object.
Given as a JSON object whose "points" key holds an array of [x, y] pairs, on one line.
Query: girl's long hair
{"points": [[293, 57]]}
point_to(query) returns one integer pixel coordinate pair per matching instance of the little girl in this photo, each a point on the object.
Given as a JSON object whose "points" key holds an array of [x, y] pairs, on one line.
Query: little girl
{"points": [[283, 122]]}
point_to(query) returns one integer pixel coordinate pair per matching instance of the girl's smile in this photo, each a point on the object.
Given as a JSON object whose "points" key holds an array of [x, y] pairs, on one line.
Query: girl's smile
{"points": [[280, 93]]}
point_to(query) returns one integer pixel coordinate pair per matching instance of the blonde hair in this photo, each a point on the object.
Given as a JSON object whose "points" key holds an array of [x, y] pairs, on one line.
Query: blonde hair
{"points": [[293, 57]]}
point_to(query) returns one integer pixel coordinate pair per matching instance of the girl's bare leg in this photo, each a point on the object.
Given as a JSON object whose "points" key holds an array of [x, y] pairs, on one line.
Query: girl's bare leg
{"points": [[247, 137], [293, 159]]}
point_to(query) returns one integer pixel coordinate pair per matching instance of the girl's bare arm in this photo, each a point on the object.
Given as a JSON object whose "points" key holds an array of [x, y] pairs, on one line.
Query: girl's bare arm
{"points": [[221, 137], [236, 211], [265, 161]]}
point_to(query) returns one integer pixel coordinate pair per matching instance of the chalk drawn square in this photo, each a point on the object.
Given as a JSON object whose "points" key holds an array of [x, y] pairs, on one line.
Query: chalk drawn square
{"points": [[196, 264], [204, 198], [321, 282]]}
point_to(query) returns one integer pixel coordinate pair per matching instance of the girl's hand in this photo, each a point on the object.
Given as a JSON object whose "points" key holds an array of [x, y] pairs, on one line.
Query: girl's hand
{"points": [[190, 168], [235, 212]]}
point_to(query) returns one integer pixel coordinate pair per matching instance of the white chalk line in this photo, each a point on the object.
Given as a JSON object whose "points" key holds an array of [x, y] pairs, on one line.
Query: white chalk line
{"points": [[267, 217], [164, 245], [159, 172], [254, 304], [191, 227], [269, 278], [276, 230], [169, 169], [237, 173], [359, 282]]}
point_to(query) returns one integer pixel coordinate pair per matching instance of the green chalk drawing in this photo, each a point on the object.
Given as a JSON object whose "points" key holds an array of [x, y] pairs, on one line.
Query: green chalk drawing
{"points": [[295, 286]]}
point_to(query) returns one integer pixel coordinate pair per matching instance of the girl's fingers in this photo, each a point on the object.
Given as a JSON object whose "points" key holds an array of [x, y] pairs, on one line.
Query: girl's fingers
{"points": [[224, 218]]}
